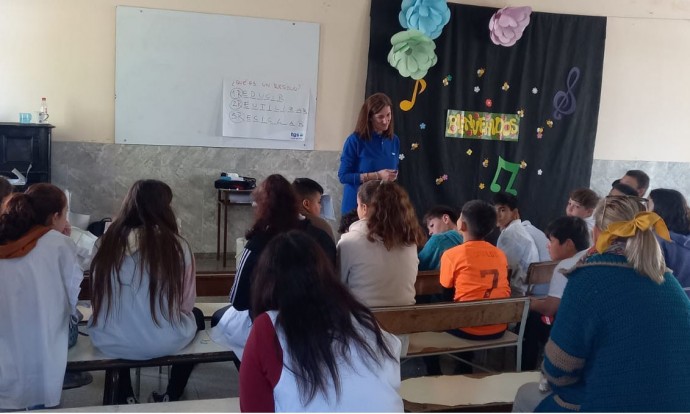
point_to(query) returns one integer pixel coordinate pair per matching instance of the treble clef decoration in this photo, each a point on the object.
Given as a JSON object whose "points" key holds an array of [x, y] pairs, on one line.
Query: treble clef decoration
{"points": [[564, 102]]}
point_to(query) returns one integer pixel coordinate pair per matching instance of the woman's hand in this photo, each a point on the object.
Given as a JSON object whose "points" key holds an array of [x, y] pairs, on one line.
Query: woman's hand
{"points": [[387, 175]]}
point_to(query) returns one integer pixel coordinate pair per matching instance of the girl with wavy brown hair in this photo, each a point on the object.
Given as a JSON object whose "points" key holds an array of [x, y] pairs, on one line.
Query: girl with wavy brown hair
{"points": [[378, 256]]}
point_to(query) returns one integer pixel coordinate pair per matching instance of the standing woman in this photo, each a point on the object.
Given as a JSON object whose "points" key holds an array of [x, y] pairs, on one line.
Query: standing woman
{"points": [[313, 346], [378, 256], [672, 207], [371, 151], [40, 280], [621, 340], [144, 288]]}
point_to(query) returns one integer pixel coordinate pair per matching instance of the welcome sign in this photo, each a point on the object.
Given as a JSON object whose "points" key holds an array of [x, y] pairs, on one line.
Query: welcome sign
{"points": [[482, 125]]}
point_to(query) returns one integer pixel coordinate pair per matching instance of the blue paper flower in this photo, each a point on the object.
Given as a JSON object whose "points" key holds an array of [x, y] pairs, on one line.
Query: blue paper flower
{"points": [[427, 16], [412, 53]]}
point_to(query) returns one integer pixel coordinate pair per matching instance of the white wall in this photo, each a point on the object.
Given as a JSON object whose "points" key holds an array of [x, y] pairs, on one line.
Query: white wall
{"points": [[65, 50]]}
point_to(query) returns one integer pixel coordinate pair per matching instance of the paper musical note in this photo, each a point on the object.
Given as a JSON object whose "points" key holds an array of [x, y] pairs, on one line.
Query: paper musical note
{"points": [[406, 105], [513, 168], [564, 102]]}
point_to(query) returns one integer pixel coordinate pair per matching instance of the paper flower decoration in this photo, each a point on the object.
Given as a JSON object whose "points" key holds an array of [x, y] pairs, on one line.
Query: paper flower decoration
{"points": [[540, 172], [523, 164], [469, 152], [535, 90], [480, 72], [521, 112], [441, 179], [485, 163], [505, 86], [401, 157], [427, 16], [489, 103], [422, 126], [481, 186], [540, 132], [412, 54], [447, 80], [476, 89], [506, 25], [415, 145], [549, 123]]}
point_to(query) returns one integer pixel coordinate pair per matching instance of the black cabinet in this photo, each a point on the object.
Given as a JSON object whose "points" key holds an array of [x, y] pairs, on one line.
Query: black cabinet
{"points": [[22, 145]]}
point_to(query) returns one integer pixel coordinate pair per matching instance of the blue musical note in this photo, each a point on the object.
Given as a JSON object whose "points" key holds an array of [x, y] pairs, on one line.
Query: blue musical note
{"points": [[564, 102]]}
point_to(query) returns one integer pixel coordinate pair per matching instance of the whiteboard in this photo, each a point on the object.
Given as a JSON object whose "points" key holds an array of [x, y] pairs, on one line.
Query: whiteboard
{"points": [[171, 68]]}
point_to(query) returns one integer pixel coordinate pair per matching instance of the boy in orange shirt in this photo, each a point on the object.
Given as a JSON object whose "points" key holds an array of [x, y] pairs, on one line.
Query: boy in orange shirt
{"points": [[476, 269]]}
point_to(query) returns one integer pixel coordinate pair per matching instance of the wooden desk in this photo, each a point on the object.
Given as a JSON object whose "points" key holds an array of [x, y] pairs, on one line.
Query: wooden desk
{"points": [[226, 198]]}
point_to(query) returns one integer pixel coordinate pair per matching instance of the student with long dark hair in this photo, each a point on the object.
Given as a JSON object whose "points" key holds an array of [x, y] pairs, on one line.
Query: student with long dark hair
{"points": [[144, 288], [672, 207], [40, 284], [276, 212], [313, 346]]}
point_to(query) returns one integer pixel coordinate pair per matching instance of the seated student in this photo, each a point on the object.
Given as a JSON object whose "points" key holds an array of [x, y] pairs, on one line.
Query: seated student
{"points": [[40, 286], [569, 239], [309, 194], [621, 341], [276, 212], [346, 221], [672, 207], [340, 361], [441, 221], [143, 288], [466, 267], [638, 180], [515, 241], [378, 256], [620, 189], [581, 203]]}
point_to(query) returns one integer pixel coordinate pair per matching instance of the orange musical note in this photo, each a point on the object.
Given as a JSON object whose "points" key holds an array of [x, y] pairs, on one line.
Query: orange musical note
{"points": [[513, 168], [406, 105]]}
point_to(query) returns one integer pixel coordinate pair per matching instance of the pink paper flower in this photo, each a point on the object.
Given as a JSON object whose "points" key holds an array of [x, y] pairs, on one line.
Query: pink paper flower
{"points": [[506, 25]]}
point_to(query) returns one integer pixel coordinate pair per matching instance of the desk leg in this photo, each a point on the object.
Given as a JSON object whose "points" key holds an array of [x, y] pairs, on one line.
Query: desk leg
{"points": [[218, 231], [112, 377], [225, 235]]}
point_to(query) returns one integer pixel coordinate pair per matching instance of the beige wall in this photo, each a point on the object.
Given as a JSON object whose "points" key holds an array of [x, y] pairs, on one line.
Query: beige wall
{"points": [[65, 50]]}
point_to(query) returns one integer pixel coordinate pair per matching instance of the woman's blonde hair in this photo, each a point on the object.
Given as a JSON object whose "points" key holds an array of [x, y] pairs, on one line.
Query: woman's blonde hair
{"points": [[393, 218], [642, 250]]}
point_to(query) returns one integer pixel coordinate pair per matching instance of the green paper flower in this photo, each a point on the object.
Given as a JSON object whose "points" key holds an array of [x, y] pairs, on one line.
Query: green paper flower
{"points": [[412, 53]]}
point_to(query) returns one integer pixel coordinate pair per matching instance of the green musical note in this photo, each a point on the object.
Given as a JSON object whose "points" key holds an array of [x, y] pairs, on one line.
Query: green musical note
{"points": [[513, 168]]}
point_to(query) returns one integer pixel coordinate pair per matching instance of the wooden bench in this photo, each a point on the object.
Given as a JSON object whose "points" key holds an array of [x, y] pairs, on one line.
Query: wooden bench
{"points": [[471, 392], [539, 273], [426, 325], [428, 283], [85, 357], [214, 405]]}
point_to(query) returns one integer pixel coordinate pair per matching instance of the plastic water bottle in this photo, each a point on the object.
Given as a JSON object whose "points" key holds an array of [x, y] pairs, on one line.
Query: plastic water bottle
{"points": [[43, 113]]}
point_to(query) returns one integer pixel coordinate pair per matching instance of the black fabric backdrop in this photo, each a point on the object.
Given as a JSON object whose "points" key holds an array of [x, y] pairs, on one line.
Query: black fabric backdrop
{"points": [[551, 45]]}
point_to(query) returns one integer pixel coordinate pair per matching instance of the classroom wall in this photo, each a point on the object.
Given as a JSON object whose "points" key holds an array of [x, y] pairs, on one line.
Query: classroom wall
{"points": [[65, 51]]}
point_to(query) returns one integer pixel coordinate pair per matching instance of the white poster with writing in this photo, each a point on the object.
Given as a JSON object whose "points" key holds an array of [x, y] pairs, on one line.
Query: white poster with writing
{"points": [[263, 109]]}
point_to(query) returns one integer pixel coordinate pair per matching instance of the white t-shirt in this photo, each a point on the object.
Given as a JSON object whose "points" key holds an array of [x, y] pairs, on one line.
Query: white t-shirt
{"points": [[558, 279], [521, 251], [540, 241]]}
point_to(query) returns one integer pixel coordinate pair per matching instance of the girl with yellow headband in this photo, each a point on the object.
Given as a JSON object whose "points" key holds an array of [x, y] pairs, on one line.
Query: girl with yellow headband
{"points": [[621, 339]]}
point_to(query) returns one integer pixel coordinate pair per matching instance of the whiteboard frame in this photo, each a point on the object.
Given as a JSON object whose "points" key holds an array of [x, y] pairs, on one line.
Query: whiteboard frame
{"points": [[170, 66]]}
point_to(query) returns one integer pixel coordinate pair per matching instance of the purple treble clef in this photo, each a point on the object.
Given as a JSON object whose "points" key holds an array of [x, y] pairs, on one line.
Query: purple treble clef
{"points": [[564, 102]]}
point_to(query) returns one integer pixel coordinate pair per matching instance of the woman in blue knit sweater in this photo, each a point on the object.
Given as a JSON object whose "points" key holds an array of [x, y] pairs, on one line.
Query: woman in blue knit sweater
{"points": [[621, 340]]}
